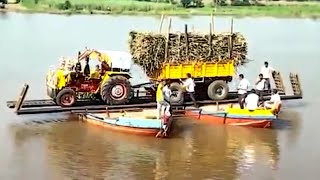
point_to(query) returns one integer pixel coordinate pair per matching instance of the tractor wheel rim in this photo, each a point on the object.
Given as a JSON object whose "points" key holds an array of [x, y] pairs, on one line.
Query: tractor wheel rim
{"points": [[67, 99], [220, 91], [175, 94], [117, 91]]}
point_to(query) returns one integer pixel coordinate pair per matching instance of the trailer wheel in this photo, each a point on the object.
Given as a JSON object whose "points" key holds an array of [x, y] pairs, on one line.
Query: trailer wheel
{"points": [[218, 90], [116, 91], [177, 93], [66, 97]]}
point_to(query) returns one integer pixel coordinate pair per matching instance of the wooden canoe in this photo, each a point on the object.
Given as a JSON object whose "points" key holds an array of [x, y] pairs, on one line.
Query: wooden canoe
{"points": [[128, 124], [261, 118]]}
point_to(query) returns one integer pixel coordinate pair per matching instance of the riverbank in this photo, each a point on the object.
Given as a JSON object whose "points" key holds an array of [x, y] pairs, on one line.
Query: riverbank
{"points": [[125, 7]]}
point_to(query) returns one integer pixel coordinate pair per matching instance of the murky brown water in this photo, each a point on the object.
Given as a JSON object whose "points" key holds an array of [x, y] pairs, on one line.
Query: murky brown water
{"points": [[66, 149]]}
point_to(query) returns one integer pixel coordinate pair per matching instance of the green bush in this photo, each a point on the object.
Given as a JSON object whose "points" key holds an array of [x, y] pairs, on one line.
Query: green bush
{"points": [[185, 3], [64, 6], [240, 3]]}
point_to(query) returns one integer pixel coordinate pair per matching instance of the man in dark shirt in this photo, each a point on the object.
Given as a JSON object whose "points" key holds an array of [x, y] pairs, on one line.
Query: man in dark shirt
{"points": [[86, 70]]}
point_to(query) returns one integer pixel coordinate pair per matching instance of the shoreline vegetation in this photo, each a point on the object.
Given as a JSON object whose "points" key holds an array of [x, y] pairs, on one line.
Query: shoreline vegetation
{"points": [[169, 7]]}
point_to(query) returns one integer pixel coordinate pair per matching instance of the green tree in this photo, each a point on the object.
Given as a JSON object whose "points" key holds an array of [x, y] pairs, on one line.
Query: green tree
{"points": [[185, 3]]}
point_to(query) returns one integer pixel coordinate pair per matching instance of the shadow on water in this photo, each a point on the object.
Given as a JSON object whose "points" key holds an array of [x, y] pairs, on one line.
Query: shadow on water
{"points": [[288, 119], [42, 118]]}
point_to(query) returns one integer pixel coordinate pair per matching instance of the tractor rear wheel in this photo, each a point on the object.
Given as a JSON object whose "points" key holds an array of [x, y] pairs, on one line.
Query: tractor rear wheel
{"points": [[218, 90], [177, 93], [66, 97], [116, 90]]}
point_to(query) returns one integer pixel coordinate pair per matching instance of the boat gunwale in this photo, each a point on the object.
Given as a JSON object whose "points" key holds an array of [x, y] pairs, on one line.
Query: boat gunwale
{"points": [[101, 119], [224, 114]]}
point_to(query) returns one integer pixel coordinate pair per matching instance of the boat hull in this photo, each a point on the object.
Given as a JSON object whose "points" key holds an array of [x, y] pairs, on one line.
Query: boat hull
{"points": [[126, 125], [222, 118]]}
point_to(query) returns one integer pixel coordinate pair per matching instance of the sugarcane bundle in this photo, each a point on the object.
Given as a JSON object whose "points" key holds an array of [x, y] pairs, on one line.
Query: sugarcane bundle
{"points": [[149, 49]]}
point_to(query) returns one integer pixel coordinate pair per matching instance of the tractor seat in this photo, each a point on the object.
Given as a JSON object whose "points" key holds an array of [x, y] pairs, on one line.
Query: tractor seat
{"points": [[77, 77]]}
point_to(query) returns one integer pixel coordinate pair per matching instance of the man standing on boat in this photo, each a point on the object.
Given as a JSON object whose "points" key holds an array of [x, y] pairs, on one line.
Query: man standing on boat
{"points": [[267, 72], [163, 98], [164, 106], [242, 90], [159, 98], [260, 86], [166, 97]]}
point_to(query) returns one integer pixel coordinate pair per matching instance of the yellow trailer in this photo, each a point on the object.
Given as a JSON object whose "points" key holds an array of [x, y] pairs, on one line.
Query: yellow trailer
{"points": [[209, 77]]}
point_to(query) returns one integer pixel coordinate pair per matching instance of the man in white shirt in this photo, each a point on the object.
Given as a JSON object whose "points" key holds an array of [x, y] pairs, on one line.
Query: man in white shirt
{"points": [[189, 84], [166, 96], [252, 100], [166, 104], [267, 72], [260, 86], [275, 100], [242, 90]]}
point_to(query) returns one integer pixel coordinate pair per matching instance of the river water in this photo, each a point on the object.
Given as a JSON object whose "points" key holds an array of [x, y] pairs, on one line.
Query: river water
{"points": [[66, 149]]}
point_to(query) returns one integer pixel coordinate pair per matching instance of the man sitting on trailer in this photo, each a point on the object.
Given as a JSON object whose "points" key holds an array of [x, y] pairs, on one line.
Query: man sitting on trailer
{"points": [[252, 100], [275, 101]]}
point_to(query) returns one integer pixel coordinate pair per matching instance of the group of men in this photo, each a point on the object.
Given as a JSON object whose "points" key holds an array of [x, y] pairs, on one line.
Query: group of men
{"points": [[254, 99], [163, 97]]}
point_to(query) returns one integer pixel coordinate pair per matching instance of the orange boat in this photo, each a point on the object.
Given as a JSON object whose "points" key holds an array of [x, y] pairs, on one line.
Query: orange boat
{"points": [[261, 118], [134, 122]]}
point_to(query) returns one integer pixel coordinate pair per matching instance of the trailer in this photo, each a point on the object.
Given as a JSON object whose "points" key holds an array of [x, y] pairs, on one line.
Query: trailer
{"points": [[211, 79]]}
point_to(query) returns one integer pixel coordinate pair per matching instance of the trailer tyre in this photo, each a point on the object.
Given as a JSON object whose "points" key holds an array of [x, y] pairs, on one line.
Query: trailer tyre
{"points": [[66, 98], [177, 93], [116, 90], [218, 90]]}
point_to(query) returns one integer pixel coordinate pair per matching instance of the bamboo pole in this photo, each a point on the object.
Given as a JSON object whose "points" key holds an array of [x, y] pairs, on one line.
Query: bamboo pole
{"points": [[231, 29], [21, 97], [212, 22], [161, 22], [231, 38], [187, 41], [215, 6], [210, 41], [167, 39]]}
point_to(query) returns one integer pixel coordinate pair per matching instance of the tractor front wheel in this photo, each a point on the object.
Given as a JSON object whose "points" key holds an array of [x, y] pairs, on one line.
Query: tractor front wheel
{"points": [[116, 90], [66, 98]]}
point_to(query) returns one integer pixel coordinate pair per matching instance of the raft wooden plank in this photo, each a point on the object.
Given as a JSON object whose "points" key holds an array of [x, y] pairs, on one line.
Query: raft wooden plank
{"points": [[21, 98], [58, 109], [50, 103]]}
